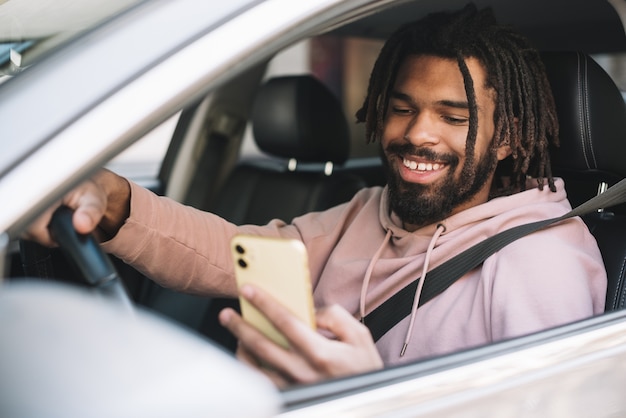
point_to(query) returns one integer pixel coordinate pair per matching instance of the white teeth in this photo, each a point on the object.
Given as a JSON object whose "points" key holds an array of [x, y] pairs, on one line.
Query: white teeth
{"points": [[412, 165]]}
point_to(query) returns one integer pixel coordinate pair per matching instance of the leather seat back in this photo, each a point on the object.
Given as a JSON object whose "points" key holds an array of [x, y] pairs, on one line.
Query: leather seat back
{"points": [[592, 119], [300, 123]]}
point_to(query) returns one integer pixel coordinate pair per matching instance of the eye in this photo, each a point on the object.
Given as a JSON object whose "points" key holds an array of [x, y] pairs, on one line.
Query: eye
{"points": [[401, 110], [455, 120]]}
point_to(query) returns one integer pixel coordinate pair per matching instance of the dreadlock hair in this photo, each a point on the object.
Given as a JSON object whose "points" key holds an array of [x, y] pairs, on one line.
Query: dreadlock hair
{"points": [[525, 115]]}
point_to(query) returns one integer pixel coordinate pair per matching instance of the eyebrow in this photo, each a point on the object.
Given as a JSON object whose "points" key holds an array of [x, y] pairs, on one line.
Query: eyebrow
{"points": [[447, 103]]}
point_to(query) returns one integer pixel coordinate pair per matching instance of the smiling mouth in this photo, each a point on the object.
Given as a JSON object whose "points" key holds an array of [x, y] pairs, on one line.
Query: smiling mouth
{"points": [[422, 166]]}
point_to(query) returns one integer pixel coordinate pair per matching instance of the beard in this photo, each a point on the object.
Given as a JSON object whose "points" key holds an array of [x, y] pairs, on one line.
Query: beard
{"points": [[425, 204]]}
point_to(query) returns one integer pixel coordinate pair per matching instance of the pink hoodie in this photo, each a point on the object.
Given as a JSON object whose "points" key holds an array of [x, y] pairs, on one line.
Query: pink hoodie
{"points": [[360, 256]]}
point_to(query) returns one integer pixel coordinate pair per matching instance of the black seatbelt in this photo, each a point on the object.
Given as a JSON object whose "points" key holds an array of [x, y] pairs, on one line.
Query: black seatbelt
{"points": [[398, 307]]}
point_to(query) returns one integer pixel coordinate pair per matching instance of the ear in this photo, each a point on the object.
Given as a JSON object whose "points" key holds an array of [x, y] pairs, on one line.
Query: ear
{"points": [[504, 150]]}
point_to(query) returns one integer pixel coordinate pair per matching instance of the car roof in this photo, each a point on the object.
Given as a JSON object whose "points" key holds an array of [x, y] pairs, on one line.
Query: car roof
{"points": [[591, 26]]}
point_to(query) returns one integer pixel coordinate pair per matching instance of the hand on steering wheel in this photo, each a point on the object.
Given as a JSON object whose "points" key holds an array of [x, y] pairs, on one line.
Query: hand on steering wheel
{"points": [[87, 256]]}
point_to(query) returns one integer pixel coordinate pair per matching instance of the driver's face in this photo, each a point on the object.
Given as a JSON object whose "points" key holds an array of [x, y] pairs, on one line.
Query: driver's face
{"points": [[424, 138]]}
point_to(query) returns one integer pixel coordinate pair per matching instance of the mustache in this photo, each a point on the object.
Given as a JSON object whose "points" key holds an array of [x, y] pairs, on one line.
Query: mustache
{"points": [[410, 149]]}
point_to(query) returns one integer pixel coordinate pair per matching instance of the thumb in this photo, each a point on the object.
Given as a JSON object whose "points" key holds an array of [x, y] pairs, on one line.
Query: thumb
{"points": [[84, 221], [89, 204]]}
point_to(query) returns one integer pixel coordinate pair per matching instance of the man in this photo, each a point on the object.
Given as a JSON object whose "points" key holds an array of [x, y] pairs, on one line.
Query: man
{"points": [[464, 115]]}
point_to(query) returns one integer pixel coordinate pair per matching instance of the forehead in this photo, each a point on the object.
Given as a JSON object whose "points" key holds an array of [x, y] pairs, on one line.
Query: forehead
{"points": [[435, 72]]}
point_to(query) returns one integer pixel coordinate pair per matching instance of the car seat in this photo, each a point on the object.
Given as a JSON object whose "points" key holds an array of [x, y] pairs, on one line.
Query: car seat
{"points": [[300, 123], [301, 127], [591, 156]]}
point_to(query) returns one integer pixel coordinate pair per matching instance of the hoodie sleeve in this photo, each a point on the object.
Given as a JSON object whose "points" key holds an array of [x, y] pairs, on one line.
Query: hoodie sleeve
{"points": [[187, 249], [549, 278], [181, 247]]}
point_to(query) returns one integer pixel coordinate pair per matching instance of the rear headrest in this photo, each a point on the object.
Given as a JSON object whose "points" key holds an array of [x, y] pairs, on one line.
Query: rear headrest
{"points": [[298, 117], [592, 117]]}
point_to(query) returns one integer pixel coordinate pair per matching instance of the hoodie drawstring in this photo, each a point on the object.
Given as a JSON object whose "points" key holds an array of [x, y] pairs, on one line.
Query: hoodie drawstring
{"points": [[440, 229], [368, 274]]}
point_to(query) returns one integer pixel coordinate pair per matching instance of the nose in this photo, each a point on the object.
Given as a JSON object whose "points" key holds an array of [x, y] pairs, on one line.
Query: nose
{"points": [[421, 130]]}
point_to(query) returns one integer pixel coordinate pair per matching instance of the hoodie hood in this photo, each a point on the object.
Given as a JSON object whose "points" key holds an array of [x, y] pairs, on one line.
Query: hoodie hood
{"points": [[516, 209]]}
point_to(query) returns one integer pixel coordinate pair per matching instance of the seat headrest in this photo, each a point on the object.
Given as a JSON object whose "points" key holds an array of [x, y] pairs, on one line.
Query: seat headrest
{"points": [[298, 117], [592, 117]]}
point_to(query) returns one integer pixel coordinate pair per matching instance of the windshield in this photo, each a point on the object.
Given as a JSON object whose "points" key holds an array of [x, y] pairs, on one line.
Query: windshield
{"points": [[29, 28]]}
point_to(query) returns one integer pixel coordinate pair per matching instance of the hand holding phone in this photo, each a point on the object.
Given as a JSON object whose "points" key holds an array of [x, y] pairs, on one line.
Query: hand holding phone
{"points": [[280, 267]]}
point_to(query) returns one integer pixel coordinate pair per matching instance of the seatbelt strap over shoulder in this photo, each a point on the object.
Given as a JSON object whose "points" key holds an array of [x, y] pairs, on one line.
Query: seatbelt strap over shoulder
{"points": [[398, 307]]}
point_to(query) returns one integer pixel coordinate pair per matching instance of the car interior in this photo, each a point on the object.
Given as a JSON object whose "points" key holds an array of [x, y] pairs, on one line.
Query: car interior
{"points": [[306, 140], [300, 124], [592, 117], [592, 120]]}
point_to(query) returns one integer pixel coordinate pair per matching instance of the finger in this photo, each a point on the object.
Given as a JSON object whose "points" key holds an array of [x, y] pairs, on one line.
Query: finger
{"points": [[89, 204], [88, 200], [351, 349], [297, 333], [309, 351], [342, 325], [251, 339], [38, 230], [245, 357], [283, 362]]}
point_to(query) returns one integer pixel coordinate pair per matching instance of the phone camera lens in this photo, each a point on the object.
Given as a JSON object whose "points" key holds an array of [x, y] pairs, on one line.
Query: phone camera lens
{"points": [[242, 263], [239, 249]]}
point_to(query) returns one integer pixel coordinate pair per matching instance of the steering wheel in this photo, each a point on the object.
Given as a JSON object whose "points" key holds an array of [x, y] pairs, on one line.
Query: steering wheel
{"points": [[81, 250]]}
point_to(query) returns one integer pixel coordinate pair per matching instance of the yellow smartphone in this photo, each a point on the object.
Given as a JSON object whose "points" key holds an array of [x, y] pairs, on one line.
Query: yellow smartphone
{"points": [[280, 267]]}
